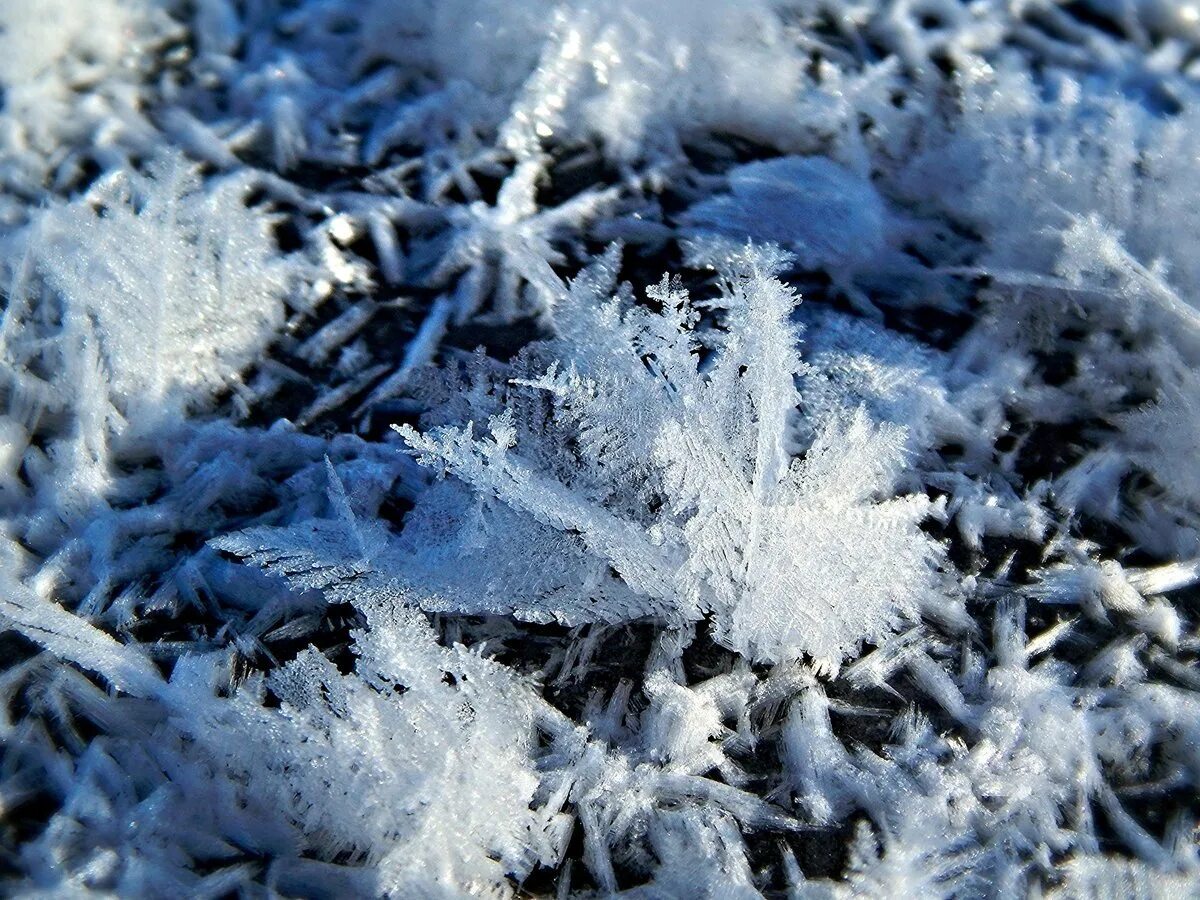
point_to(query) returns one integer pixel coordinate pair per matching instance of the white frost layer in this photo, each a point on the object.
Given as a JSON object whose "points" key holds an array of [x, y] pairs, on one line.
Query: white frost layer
{"points": [[698, 578]]}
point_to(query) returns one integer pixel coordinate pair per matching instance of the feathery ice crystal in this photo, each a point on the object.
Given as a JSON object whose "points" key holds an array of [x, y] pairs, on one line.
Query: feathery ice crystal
{"points": [[682, 479]]}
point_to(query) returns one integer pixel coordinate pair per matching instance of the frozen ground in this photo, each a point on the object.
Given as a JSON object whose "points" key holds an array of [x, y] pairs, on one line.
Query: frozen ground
{"points": [[669, 449]]}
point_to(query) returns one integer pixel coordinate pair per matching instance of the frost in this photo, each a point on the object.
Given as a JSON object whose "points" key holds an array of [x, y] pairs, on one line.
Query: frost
{"points": [[177, 322], [668, 585], [70, 76], [790, 558], [103, 342], [829, 217], [639, 76], [1164, 432], [430, 819]]}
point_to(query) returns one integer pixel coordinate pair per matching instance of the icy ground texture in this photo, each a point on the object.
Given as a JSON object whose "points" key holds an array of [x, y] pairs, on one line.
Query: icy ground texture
{"points": [[819, 515]]}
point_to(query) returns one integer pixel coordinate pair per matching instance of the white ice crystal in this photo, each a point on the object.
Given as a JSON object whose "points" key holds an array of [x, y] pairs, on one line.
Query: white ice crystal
{"points": [[128, 306], [639, 76], [829, 217], [181, 320], [72, 76], [790, 557], [394, 762]]}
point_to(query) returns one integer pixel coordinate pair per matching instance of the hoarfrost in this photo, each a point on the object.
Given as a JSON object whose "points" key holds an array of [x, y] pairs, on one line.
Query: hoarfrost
{"points": [[676, 586]]}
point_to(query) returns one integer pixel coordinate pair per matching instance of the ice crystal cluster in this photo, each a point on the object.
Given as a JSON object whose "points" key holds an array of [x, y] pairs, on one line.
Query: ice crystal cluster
{"points": [[529, 448]]}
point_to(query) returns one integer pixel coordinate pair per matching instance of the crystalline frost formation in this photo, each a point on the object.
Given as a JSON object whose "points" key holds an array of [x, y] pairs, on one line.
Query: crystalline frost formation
{"points": [[818, 516]]}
